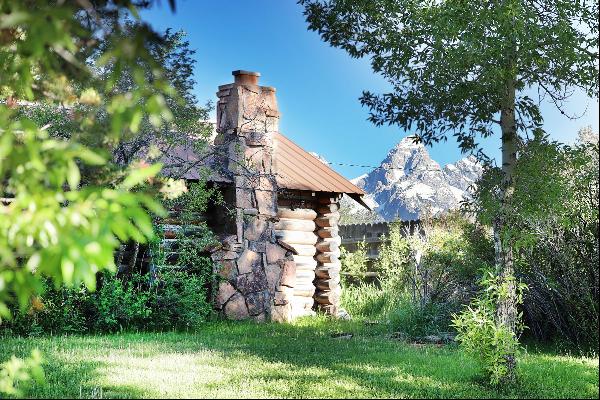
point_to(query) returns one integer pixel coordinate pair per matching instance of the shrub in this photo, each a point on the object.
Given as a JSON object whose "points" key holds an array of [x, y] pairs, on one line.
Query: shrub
{"points": [[179, 300], [415, 320], [172, 300], [122, 304], [354, 264], [493, 344], [425, 277]]}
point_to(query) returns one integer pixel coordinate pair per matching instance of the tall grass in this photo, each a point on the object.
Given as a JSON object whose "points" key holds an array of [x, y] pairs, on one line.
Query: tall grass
{"points": [[395, 307]]}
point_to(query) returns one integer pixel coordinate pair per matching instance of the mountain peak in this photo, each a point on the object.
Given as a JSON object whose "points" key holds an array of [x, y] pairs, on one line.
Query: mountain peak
{"points": [[409, 181], [410, 142]]}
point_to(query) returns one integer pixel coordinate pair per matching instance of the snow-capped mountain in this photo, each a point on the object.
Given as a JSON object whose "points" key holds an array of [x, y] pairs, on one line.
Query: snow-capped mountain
{"points": [[409, 183]]}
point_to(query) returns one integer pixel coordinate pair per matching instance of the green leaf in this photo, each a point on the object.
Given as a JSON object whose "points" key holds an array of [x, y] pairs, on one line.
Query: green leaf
{"points": [[89, 157], [139, 175], [73, 175]]}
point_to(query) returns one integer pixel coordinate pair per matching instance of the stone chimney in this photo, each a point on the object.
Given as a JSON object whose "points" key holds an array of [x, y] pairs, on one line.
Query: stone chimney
{"points": [[254, 263]]}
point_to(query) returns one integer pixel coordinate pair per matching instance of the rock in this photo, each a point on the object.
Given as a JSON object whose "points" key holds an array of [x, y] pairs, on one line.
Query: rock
{"points": [[342, 335], [256, 303], [343, 315], [262, 317], [224, 255], [224, 293], [267, 203], [287, 246], [244, 198], [281, 299], [236, 308], [227, 269], [257, 247], [248, 261], [254, 229], [441, 338], [281, 313], [252, 282], [230, 243], [399, 336], [275, 252], [273, 272], [288, 273]]}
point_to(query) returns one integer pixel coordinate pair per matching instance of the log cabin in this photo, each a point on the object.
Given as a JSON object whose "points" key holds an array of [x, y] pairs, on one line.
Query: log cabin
{"points": [[279, 258]]}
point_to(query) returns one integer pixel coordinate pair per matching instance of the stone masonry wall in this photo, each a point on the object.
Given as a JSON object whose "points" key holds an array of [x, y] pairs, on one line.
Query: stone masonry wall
{"points": [[257, 270]]}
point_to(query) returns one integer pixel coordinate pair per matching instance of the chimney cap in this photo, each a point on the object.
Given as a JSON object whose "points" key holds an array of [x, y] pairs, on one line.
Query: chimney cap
{"points": [[245, 77], [243, 72]]}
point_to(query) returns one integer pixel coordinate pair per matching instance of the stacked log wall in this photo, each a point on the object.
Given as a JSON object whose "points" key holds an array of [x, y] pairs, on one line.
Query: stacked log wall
{"points": [[327, 273], [296, 227]]}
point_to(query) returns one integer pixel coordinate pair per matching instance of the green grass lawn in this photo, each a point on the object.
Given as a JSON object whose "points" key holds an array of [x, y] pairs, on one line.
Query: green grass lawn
{"points": [[227, 359]]}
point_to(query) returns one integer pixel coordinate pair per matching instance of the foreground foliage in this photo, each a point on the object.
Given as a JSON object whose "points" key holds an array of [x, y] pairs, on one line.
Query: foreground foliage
{"points": [[233, 360], [64, 207]]}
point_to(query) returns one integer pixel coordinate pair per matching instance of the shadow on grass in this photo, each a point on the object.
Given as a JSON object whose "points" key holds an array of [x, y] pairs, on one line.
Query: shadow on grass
{"points": [[301, 360]]}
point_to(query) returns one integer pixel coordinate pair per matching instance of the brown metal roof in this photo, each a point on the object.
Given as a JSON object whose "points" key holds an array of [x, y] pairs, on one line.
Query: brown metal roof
{"points": [[295, 168], [300, 170]]}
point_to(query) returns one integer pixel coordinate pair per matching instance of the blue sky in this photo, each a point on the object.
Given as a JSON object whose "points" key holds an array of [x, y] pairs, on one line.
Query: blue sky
{"points": [[317, 86]]}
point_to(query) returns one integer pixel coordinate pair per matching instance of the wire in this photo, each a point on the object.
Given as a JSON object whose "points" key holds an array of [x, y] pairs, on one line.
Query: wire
{"points": [[380, 167]]}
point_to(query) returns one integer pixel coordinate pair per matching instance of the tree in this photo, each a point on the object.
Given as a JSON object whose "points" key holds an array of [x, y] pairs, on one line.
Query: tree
{"points": [[469, 69], [52, 222], [554, 220]]}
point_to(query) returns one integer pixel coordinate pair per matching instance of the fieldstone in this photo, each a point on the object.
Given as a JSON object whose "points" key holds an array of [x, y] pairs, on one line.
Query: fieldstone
{"points": [[267, 203], [236, 308], [224, 293], [287, 246], [250, 283], [256, 302], [248, 261], [281, 313], [244, 198], [273, 272], [257, 139], [254, 228], [288, 273], [342, 335], [227, 269], [275, 252], [265, 183], [222, 255], [280, 299], [251, 211], [230, 242], [260, 317], [258, 247]]}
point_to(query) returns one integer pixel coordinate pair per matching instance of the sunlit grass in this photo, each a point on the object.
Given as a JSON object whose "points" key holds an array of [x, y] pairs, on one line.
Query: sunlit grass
{"points": [[227, 359]]}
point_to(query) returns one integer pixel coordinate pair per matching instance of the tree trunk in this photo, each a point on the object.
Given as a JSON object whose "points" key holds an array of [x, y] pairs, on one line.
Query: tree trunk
{"points": [[506, 313]]}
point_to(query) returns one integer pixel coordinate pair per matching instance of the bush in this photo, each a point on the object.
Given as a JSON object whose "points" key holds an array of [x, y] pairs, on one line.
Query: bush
{"points": [[172, 300], [179, 301], [494, 345], [122, 304], [415, 320], [424, 277], [354, 264]]}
